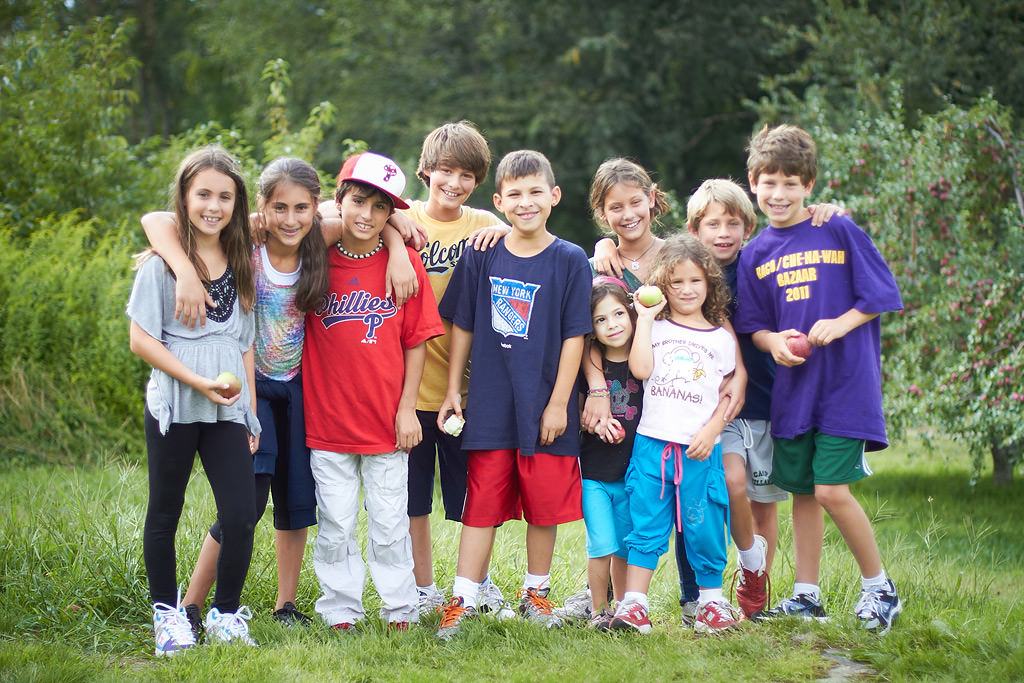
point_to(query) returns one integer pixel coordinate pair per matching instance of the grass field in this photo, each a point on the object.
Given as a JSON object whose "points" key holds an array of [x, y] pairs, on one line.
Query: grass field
{"points": [[73, 598]]}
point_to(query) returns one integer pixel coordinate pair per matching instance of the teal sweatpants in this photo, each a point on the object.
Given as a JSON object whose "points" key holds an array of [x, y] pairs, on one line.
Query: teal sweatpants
{"points": [[667, 489]]}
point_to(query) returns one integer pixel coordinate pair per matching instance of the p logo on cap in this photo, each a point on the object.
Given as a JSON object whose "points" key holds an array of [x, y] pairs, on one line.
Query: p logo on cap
{"points": [[376, 170]]}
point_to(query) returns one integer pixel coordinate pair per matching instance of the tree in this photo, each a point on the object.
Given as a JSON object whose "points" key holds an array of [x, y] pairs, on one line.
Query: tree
{"points": [[943, 51], [945, 202], [65, 98]]}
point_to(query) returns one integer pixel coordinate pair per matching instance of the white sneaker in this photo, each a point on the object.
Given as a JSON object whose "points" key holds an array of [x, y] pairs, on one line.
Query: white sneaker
{"points": [[172, 630], [490, 600], [690, 609], [229, 627], [428, 600], [576, 607]]}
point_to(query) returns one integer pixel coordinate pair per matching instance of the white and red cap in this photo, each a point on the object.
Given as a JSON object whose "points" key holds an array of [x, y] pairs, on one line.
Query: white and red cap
{"points": [[377, 170]]}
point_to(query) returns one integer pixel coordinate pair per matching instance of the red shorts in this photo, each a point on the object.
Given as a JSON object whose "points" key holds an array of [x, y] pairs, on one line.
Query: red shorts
{"points": [[503, 485]]}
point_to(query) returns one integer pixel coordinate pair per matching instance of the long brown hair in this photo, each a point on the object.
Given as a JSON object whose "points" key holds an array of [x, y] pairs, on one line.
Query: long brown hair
{"points": [[235, 239], [621, 170], [312, 284]]}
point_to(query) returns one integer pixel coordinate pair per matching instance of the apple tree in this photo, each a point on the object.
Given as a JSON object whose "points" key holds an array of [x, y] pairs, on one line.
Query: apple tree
{"points": [[944, 202]]}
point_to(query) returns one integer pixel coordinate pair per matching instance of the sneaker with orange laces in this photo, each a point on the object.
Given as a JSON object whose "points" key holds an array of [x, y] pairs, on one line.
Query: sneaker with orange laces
{"points": [[631, 616], [534, 606], [715, 617], [452, 615], [752, 587]]}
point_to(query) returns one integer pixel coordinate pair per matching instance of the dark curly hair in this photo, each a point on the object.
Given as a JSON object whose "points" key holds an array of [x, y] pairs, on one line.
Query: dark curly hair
{"points": [[679, 249]]}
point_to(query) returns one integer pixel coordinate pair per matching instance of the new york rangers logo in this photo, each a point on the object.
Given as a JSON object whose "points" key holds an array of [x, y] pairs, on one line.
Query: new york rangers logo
{"points": [[389, 172], [357, 306], [511, 306]]}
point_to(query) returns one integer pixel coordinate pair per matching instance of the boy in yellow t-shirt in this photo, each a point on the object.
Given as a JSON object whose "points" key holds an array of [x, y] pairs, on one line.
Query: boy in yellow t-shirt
{"points": [[454, 160]]}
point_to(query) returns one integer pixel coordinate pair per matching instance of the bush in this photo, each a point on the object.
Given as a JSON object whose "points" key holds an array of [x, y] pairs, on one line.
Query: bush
{"points": [[68, 376]]}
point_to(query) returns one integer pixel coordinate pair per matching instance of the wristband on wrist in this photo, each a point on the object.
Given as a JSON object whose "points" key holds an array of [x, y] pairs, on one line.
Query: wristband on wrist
{"points": [[599, 393]]}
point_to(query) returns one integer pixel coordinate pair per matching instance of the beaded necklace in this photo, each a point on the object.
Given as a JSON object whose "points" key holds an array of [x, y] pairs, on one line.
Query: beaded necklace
{"points": [[357, 257]]}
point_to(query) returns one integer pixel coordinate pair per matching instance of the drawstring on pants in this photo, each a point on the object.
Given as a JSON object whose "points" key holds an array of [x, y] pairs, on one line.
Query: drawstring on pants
{"points": [[674, 451]]}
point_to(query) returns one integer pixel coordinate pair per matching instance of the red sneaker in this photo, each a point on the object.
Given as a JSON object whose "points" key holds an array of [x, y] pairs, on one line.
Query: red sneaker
{"points": [[398, 626], [631, 616], [344, 626], [752, 591], [715, 617]]}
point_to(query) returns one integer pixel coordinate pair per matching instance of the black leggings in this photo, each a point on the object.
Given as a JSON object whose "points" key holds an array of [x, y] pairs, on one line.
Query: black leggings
{"points": [[224, 451], [262, 496]]}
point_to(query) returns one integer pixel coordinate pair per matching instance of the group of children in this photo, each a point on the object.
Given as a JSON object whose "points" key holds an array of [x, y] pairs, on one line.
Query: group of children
{"points": [[358, 377]]}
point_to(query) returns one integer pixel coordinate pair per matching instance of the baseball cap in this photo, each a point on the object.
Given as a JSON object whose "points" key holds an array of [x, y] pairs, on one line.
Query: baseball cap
{"points": [[377, 170]]}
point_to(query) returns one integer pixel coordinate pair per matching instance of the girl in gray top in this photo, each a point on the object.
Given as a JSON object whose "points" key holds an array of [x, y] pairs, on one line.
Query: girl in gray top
{"points": [[187, 410]]}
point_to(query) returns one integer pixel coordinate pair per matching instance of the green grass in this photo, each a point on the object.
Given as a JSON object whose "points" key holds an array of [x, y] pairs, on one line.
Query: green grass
{"points": [[73, 596]]}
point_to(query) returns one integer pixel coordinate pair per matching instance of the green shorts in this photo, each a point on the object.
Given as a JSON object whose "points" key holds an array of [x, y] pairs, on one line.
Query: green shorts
{"points": [[816, 458]]}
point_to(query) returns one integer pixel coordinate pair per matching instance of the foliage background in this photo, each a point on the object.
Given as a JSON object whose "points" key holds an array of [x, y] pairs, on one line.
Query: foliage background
{"points": [[915, 105]]}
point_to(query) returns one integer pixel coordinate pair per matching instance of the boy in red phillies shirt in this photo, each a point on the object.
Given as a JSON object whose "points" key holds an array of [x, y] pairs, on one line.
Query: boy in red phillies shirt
{"points": [[361, 368]]}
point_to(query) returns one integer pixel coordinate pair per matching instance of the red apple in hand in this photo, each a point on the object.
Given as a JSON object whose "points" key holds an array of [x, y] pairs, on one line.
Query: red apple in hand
{"points": [[649, 295], [616, 433], [234, 384], [798, 344]]}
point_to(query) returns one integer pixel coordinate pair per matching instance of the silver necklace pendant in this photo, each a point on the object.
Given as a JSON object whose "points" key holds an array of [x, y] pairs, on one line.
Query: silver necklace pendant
{"points": [[636, 265]]}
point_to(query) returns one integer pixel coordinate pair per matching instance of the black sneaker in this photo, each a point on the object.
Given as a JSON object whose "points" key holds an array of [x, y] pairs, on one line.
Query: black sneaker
{"points": [[195, 620], [805, 606], [289, 616]]}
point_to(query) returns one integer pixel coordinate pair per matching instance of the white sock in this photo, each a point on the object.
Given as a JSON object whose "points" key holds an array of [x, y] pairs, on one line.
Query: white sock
{"points": [[811, 589], [880, 581], [466, 589], [432, 588], [635, 597], [536, 581], [753, 558], [709, 595]]}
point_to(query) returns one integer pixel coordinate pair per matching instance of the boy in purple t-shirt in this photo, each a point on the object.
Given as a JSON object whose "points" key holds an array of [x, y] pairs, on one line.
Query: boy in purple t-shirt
{"points": [[831, 284]]}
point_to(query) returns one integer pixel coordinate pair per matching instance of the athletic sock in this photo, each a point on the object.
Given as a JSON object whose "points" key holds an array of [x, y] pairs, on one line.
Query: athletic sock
{"points": [[466, 589], [432, 588], [753, 558], [807, 589], [709, 595], [635, 597], [879, 581], [536, 581]]}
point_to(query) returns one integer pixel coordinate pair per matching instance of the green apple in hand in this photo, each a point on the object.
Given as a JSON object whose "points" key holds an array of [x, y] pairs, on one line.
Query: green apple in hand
{"points": [[234, 384]]}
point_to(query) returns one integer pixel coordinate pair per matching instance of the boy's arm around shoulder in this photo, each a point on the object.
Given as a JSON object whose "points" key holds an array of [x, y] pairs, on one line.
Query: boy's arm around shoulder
{"points": [[487, 236], [190, 296]]}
